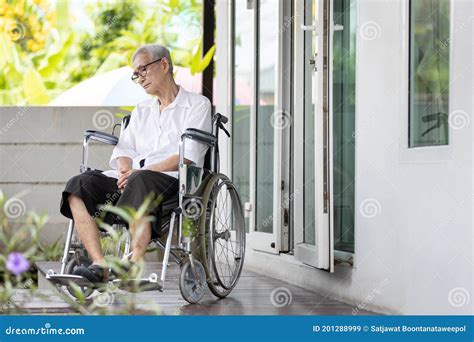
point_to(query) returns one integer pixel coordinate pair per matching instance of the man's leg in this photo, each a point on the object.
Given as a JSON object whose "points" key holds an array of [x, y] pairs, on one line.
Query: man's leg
{"points": [[141, 236], [87, 229], [139, 185]]}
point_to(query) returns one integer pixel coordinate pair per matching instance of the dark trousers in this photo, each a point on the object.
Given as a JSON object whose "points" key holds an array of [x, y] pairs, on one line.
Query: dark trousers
{"points": [[96, 189]]}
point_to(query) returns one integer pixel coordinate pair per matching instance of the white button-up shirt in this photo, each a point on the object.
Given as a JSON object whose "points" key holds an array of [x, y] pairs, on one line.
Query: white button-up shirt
{"points": [[154, 135]]}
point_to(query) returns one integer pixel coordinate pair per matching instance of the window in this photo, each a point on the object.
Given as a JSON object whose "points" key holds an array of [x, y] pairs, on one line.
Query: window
{"points": [[429, 73], [343, 86]]}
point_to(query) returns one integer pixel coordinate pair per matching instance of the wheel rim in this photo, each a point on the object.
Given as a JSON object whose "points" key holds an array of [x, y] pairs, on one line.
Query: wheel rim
{"points": [[193, 288], [226, 241]]}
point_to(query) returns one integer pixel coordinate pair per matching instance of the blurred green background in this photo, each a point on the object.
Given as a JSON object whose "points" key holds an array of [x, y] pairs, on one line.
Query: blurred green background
{"points": [[48, 46]]}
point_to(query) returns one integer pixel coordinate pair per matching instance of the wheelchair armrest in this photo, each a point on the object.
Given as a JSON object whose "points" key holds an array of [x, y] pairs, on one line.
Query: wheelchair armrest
{"points": [[199, 135], [103, 137]]}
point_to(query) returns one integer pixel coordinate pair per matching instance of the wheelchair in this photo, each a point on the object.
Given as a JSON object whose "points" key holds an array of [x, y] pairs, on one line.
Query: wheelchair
{"points": [[213, 255]]}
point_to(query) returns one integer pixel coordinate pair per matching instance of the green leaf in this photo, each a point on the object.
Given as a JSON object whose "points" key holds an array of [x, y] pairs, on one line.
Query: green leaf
{"points": [[203, 64], [50, 63], [34, 88], [196, 58], [127, 108], [197, 64]]}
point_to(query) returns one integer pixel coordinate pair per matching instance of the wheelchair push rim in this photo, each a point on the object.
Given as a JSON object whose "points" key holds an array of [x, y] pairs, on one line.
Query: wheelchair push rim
{"points": [[223, 235]]}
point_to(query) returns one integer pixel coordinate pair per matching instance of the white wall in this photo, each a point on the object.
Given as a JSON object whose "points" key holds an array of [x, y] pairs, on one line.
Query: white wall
{"points": [[40, 149], [416, 255]]}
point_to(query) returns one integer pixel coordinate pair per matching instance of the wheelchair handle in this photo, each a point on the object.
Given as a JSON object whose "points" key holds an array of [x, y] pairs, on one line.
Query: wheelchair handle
{"points": [[199, 135], [221, 126], [102, 137], [218, 117]]}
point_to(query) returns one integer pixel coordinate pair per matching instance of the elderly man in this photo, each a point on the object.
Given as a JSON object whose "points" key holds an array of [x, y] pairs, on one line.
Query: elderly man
{"points": [[144, 160]]}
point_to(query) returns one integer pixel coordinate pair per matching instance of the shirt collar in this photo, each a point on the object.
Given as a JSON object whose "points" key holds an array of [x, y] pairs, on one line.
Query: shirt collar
{"points": [[182, 100]]}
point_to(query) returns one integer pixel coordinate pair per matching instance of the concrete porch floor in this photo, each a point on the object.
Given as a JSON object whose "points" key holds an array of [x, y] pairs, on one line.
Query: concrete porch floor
{"points": [[255, 294]]}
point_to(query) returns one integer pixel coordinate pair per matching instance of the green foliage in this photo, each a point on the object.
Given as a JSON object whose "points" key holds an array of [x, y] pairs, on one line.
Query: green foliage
{"points": [[44, 55], [21, 234]]}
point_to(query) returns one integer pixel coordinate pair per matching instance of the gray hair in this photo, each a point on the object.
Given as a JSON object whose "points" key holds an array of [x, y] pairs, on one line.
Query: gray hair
{"points": [[155, 51]]}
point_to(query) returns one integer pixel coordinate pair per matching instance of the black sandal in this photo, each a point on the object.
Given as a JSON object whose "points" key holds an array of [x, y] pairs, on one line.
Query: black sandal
{"points": [[94, 273]]}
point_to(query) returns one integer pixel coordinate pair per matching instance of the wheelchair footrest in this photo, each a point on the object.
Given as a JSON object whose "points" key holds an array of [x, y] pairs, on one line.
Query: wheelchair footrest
{"points": [[65, 279], [138, 285]]}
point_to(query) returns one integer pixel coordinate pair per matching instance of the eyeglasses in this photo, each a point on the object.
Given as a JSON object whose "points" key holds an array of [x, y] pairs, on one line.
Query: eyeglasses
{"points": [[142, 71]]}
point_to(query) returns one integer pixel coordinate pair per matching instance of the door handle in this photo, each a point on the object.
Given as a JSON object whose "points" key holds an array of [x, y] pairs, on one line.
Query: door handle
{"points": [[313, 27], [308, 27]]}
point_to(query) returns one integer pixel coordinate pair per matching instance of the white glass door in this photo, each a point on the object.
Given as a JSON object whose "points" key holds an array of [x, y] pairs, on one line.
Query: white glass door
{"points": [[313, 232], [270, 123]]}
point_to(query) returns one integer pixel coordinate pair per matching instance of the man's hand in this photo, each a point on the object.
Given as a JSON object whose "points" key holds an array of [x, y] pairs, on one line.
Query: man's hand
{"points": [[124, 167], [123, 178]]}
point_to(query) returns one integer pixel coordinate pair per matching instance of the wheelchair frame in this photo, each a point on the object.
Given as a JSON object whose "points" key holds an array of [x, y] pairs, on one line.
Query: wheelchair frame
{"points": [[184, 246]]}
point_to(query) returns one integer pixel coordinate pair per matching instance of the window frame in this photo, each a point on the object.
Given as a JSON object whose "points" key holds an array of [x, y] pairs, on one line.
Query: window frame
{"points": [[420, 154]]}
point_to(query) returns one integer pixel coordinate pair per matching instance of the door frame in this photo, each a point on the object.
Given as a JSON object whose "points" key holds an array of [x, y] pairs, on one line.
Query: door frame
{"points": [[279, 240], [321, 254]]}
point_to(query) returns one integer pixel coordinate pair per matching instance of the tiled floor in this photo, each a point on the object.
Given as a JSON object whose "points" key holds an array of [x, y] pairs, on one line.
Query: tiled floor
{"points": [[255, 294]]}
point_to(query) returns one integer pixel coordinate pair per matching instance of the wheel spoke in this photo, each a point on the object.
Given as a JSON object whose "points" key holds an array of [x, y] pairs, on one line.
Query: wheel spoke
{"points": [[224, 253]]}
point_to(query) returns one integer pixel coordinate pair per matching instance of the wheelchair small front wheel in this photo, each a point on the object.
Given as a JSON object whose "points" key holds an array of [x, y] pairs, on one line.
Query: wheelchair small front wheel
{"points": [[192, 285], [71, 266]]}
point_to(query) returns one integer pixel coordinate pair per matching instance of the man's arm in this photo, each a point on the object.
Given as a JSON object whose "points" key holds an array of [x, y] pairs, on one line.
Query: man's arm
{"points": [[169, 164]]}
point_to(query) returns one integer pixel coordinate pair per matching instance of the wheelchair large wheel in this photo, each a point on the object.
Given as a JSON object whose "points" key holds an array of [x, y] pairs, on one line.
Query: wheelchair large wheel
{"points": [[222, 232], [71, 266]]}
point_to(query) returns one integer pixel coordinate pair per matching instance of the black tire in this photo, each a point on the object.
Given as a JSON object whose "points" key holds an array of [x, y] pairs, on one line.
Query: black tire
{"points": [[211, 241], [71, 266], [192, 289]]}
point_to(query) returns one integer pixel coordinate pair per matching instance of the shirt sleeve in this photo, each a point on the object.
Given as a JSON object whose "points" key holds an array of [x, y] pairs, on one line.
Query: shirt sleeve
{"points": [[199, 118], [126, 146]]}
